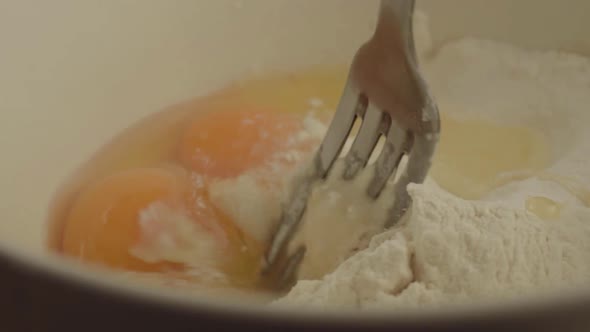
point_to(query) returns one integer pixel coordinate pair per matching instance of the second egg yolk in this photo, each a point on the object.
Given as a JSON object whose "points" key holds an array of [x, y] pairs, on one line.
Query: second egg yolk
{"points": [[227, 143]]}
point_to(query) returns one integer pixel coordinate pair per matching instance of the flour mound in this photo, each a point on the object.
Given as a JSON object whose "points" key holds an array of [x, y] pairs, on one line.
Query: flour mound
{"points": [[450, 250]]}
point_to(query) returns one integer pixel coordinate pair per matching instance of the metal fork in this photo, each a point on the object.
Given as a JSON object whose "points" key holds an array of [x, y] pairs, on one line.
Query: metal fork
{"points": [[386, 92]]}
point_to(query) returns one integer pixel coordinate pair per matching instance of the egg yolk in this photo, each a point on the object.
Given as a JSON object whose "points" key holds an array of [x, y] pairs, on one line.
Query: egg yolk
{"points": [[228, 143], [103, 223]]}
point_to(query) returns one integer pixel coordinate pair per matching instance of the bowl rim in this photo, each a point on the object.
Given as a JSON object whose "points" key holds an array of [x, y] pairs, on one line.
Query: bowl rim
{"points": [[100, 280]]}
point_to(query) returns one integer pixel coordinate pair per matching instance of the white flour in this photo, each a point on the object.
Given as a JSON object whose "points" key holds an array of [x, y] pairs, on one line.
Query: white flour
{"points": [[448, 249]]}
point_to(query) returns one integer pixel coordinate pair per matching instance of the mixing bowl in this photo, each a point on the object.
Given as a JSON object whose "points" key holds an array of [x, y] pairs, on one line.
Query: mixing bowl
{"points": [[74, 73]]}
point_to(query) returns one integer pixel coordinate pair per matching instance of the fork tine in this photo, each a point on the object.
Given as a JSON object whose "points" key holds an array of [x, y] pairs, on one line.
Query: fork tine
{"points": [[290, 268], [351, 105], [397, 143], [290, 219], [419, 161], [339, 129], [371, 129]]}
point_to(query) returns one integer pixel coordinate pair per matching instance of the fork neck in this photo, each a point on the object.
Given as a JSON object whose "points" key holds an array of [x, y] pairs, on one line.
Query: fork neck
{"points": [[394, 26]]}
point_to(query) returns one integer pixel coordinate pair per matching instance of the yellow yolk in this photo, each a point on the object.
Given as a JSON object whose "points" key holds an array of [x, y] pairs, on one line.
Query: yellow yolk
{"points": [[103, 223], [228, 143]]}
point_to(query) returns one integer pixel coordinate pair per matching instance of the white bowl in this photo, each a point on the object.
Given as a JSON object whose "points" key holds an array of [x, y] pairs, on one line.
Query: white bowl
{"points": [[74, 73]]}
